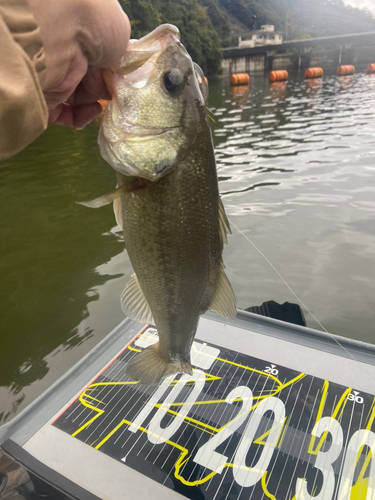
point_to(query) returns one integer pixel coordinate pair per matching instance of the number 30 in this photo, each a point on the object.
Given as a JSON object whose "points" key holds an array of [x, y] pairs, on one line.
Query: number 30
{"points": [[324, 461]]}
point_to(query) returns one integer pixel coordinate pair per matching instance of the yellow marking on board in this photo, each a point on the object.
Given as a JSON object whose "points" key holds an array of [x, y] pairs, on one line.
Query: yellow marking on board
{"points": [[100, 412], [101, 402], [278, 425], [200, 428], [371, 416], [359, 490], [210, 377], [340, 406], [134, 349], [281, 439], [180, 462], [365, 464], [323, 400], [87, 405], [264, 486], [123, 422], [92, 386], [189, 419]]}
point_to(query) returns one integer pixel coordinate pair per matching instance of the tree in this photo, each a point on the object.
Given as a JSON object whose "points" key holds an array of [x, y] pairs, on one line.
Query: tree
{"points": [[197, 33]]}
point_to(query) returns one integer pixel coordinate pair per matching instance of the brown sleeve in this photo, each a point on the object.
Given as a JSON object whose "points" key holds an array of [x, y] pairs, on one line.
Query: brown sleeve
{"points": [[23, 110]]}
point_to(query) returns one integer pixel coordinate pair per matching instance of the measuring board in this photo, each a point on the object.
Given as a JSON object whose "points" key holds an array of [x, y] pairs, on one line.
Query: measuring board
{"points": [[239, 428]]}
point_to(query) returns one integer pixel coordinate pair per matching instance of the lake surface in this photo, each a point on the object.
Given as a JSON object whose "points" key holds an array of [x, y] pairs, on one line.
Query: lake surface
{"points": [[296, 164]]}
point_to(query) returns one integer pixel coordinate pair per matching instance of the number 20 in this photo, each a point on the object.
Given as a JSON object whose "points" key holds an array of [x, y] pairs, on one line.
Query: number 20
{"points": [[245, 476]]}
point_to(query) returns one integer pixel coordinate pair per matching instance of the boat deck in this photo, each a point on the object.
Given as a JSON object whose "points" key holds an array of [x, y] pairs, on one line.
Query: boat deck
{"points": [[272, 411]]}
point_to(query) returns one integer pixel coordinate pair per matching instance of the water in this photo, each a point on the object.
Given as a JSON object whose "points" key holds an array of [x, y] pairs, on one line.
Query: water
{"points": [[297, 175]]}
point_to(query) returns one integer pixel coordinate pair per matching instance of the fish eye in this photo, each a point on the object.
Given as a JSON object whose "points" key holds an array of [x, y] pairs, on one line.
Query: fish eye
{"points": [[173, 80]]}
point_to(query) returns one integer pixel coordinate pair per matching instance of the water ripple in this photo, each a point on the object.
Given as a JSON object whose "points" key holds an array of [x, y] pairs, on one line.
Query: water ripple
{"points": [[296, 174]]}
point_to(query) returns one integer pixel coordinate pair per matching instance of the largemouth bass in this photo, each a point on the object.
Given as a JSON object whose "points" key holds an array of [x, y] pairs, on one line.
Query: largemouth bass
{"points": [[155, 134]]}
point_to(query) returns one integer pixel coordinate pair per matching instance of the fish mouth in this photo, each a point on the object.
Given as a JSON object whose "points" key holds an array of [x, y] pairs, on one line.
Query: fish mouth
{"points": [[129, 168], [130, 130], [146, 132]]}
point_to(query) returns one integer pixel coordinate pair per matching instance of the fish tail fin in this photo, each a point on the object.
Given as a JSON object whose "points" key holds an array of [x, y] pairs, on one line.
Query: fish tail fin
{"points": [[150, 367]]}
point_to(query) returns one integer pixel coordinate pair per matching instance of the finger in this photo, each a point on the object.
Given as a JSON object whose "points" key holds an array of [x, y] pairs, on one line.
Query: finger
{"points": [[106, 43], [74, 116], [90, 89]]}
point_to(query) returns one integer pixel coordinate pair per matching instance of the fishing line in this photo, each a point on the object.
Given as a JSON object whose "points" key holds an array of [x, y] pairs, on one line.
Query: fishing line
{"points": [[277, 272], [300, 301]]}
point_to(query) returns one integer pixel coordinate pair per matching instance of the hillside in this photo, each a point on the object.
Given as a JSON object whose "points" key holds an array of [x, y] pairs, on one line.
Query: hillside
{"points": [[208, 25], [328, 17], [197, 32], [298, 18]]}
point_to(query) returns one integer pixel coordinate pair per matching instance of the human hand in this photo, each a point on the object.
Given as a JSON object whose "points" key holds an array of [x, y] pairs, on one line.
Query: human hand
{"points": [[80, 38]]}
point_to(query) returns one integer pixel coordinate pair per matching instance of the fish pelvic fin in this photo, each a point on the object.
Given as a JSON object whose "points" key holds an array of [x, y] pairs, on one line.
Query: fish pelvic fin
{"points": [[150, 367], [224, 300], [134, 303], [117, 211]]}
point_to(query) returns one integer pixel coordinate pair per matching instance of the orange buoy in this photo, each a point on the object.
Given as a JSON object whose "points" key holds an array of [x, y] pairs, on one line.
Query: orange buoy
{"points": [[371, 68], [240, 79], [346, 70], [276, 76], [314, 73]]}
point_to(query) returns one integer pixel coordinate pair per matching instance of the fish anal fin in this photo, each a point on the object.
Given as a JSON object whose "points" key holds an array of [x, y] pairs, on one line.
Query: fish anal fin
{"points": [[134, 303], [224, 226], [224, 301], [149, 367]]}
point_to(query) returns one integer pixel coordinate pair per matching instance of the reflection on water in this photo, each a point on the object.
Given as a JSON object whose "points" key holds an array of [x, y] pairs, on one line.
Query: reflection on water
{"points": [[278, 90], [296, 170]]}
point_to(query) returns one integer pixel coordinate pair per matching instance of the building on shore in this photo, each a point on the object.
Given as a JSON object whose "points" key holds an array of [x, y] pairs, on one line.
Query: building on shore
{"points": [[265, 36]]}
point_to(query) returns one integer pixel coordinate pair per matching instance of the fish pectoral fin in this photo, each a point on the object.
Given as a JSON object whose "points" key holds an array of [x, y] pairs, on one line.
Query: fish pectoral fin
{"points": [[134, 303], [105, 199], [149, 367], [224, 226], [117, 211], [224, 301]]}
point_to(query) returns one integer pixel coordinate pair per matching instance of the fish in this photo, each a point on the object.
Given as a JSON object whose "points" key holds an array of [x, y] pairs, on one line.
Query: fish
{"points": [[156, 136]]}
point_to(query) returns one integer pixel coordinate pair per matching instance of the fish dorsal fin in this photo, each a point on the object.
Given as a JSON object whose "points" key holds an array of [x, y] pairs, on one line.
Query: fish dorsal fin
{"points": [[224, 301], [117, 211], [134, 303], [224, 226]]}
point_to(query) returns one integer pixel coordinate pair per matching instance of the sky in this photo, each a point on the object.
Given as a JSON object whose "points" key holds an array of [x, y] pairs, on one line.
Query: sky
{"points": [[369, 4]]}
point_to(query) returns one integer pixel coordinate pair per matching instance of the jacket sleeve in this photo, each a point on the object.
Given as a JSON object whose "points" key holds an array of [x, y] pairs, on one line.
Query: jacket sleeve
{"points": [[23, 110]]}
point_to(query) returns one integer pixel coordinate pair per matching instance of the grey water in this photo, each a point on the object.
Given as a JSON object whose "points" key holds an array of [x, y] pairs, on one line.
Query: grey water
{"points": [[296, 167]]}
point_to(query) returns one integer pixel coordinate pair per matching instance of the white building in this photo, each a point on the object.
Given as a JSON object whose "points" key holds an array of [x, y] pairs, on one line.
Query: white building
{"points": [[265, 36]]}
